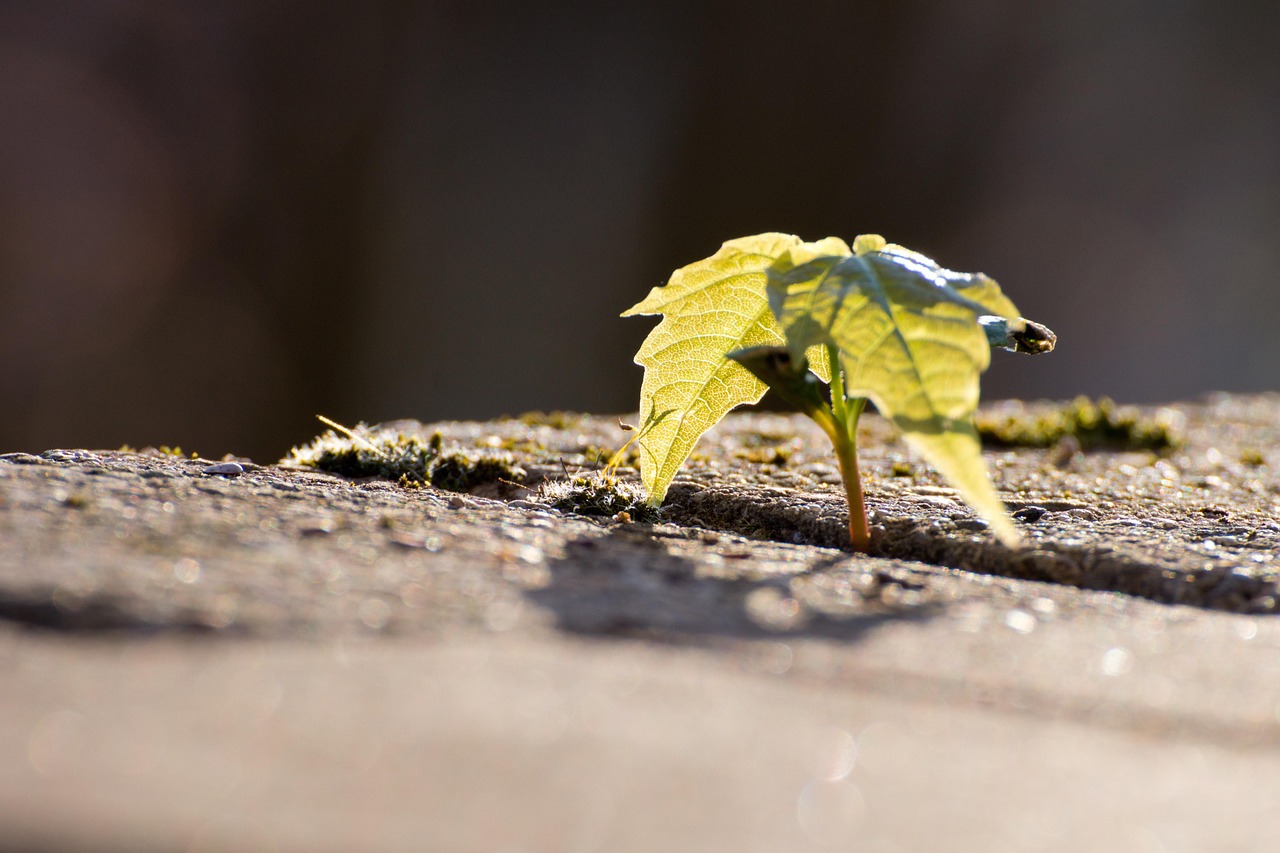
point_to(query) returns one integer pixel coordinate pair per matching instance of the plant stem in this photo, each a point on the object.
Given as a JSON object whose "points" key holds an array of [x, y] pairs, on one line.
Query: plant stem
{"points": [[845, 439], [846, 446], [839, 405]]}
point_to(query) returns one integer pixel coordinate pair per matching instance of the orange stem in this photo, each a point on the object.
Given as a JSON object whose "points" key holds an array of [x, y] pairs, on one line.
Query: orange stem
{"points": [[859, 532]]}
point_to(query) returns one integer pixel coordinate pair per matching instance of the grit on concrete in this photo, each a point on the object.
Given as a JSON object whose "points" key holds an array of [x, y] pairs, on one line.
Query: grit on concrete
{"points": [[290, 660]]}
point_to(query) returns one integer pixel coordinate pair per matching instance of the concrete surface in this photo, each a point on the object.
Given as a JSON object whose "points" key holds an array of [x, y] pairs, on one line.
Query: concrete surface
{"points": [[286, 660]]}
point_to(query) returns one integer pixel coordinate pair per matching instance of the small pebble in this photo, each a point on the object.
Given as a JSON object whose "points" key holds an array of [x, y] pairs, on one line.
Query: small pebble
{"points": [[226, 469], [1030, 514]]}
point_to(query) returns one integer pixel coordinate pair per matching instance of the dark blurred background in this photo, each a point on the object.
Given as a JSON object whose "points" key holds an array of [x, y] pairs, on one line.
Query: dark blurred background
{"points": [[220, 217]]}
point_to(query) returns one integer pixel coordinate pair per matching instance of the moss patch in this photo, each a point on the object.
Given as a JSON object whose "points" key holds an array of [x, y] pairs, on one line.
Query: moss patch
{"points": [[461, 471], [1099, 424], [777, 455], [555, 420], [1253, 458], [408, 459], [597, 493]]}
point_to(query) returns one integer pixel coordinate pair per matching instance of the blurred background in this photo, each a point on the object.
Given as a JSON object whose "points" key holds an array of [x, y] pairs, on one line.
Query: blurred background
{"points": [[220, 217]]}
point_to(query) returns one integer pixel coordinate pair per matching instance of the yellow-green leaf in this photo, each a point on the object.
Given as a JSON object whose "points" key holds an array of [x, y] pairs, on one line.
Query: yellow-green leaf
{"points": [[709, 308], [909, 340]]}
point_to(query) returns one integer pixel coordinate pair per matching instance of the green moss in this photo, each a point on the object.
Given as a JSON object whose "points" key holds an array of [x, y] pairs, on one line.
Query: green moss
{"points": [[777, 455], [596, 494], [595, 454], [365, 453], [1252, 458], [519, 445], [461, 471], [407, 459], [901, 468], [1097, 424], [555, 420]]}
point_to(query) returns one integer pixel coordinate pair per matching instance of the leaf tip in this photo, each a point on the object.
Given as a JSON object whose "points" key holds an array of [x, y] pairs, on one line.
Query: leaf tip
{"points": [[864, 243], [1033, 338]]}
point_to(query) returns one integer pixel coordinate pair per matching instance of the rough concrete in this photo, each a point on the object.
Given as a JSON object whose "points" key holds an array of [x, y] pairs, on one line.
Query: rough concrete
{"points": [[289, 660]]}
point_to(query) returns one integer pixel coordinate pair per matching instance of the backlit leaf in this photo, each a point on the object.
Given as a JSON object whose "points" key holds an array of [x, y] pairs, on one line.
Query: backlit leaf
{"points": [[909, 340], [709, 308]]}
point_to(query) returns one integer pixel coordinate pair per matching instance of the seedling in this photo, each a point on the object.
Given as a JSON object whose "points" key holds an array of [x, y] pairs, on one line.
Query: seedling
{"points": [[828, 327]]}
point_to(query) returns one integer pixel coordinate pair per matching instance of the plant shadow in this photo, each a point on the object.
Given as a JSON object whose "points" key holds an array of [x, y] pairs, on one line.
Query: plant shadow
{"points": [[630, 582]]}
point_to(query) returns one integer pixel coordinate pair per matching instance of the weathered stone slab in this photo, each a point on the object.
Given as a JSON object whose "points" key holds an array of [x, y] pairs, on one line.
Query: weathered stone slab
{"points": [[228, 659]]}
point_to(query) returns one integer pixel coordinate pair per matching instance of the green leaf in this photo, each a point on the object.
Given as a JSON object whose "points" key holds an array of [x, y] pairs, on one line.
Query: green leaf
{"points": [[909, 340], [709, 308]]}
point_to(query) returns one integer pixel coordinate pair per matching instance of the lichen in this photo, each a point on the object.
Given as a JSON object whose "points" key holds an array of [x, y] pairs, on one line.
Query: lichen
{"points": [[1099, 424]]}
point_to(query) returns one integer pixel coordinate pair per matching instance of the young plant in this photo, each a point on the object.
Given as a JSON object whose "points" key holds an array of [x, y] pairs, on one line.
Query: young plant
{"points": [[828, 327]]}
